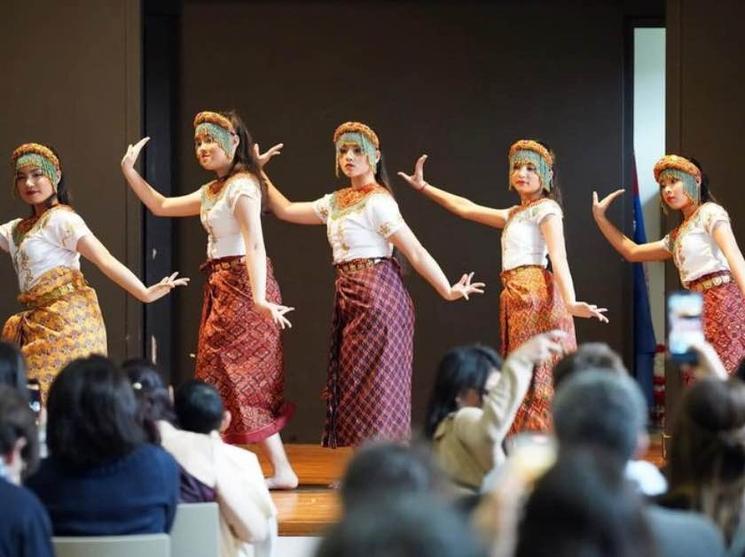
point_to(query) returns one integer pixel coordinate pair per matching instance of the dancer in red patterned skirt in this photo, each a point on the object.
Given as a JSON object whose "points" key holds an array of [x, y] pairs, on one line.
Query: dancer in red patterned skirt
{"points": [[369, 378], [240, 350], [702, 247], [533, 300]]}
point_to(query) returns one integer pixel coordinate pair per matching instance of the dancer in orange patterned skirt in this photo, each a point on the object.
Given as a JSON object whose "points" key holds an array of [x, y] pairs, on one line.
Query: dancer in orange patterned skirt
{"points": [[61, 320], [240, 349], [533, 300], [702, 247], [368, 392]]}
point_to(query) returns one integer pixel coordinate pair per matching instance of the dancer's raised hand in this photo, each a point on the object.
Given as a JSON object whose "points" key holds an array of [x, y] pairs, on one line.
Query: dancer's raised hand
{"points": [[464, 288], [263, 158], [133, 152], [599, 207], [160, 289], [583, 309], [416, 180], [275, 312]]}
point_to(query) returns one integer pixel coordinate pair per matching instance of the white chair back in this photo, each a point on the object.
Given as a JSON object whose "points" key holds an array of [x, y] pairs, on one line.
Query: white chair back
{"points": [[196, 530], [145, 545]]}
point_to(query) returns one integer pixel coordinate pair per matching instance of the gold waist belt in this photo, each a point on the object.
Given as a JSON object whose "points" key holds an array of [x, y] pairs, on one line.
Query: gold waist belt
{"points": [[710, 281], [359, 264]]}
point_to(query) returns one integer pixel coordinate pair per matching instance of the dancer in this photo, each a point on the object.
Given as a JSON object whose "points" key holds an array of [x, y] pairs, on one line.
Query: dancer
{"points": [[533, 300], [240, 349], [369, 378], [61, 320], [702, 247]]}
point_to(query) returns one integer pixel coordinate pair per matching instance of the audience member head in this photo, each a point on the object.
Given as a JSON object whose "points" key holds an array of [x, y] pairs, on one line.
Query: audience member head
{"points": [[19, 441], [601, 409], [706, 465], [199, 407], [415, 525], [92, 414], [153, 399], [463, 377], [387, 470], [12, 367], [590, 355], [584, 507]]}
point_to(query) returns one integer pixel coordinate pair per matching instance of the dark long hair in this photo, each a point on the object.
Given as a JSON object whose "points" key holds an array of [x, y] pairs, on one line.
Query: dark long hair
{"points": [[153, 399], [706, 467], [244, 160], [464, 367], [17, 421], [92, 414], [584, 506], [12, 368], [555, 192], [705, 192]]}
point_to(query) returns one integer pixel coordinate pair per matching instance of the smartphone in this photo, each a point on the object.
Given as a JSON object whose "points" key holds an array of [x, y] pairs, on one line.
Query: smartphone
{"points": [[34, 396], [685, 326]]}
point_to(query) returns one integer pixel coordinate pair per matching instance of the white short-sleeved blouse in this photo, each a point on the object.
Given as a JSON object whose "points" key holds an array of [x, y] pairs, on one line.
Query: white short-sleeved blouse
{"points": [[224, 236], [522, 241], [694, 251], [48, 243], [359, 222]]}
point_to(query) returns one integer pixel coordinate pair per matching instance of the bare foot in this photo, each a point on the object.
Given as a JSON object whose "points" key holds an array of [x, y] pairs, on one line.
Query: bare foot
{"points": [[286, 479]]}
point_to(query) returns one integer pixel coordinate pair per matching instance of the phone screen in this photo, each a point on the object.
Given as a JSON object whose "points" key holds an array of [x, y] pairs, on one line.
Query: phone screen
{"points": [[34, 395], [684, 311]]}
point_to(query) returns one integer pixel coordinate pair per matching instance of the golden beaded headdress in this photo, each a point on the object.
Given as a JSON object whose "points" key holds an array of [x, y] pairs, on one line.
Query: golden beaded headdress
{"points": [[40, 156], [359, 134], [680, 168], [217, 126], [527, 151]]}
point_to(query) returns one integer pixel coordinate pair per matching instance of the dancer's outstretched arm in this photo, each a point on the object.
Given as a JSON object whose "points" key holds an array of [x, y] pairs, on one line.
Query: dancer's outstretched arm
{"points": [[297, 212], [553, 232], [461, 206], [248, 214], [94, 251], [726, 241], [629, 250], [424, 264], [158, 204]]}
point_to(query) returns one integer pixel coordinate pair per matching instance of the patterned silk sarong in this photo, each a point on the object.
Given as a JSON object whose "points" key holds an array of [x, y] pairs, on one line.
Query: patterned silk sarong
{"points": [[530, 303], [62, 322], [368, 394], [240, 351], [723, 318]]}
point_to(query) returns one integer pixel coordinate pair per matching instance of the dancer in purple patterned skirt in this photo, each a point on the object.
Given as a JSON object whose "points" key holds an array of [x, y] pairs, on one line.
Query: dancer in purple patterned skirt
{"points": [[368, 392]]}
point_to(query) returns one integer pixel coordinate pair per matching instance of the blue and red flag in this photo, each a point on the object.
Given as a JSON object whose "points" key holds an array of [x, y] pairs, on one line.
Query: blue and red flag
{"points": [[645, 344]]}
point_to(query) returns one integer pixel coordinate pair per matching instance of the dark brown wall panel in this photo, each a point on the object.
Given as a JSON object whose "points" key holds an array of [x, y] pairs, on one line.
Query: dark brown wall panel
{"points": [[459, 81], [70, 78]]}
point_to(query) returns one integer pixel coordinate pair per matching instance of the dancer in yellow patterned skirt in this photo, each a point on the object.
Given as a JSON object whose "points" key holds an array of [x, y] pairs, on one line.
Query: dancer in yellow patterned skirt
{"points": [[61, 320], [702, 247], [533, 300]]}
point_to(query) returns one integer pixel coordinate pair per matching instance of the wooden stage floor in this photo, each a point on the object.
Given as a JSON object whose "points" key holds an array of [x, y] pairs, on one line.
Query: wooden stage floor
{"points": [[315, 505]]}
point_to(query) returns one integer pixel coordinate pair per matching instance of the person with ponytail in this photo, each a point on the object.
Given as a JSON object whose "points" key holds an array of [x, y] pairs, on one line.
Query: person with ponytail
{"points": [[62, 320], [368, 392], [533, 299], [706, 459], [239, 349], [702, 247]]}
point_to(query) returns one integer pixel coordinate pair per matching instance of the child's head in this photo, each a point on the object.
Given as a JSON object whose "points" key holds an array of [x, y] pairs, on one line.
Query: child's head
{"points": [[199, 407]]}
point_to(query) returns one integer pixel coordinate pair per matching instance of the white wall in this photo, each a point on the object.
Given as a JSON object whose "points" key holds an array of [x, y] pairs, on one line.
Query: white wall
{"points": [[649, 145]]}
